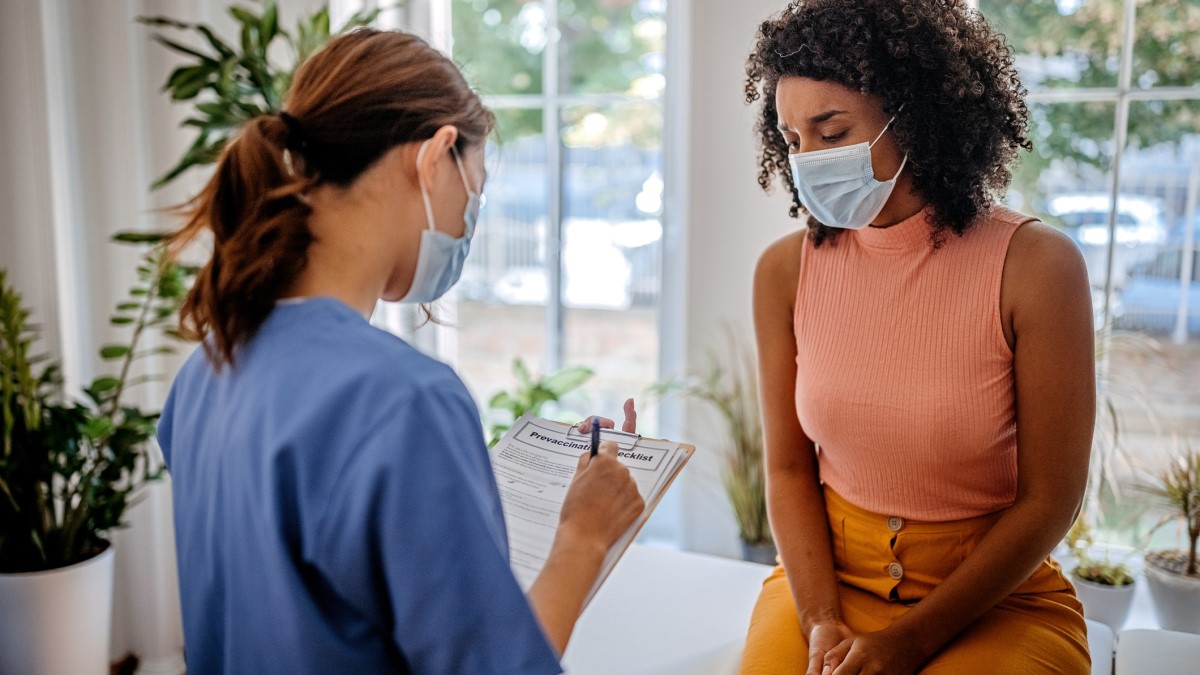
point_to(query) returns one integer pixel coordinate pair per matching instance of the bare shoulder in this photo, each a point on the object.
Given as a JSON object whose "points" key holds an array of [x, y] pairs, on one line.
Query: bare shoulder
{"points": [[775, 282], [1039, 254], [778, 269], [1045, 278]]}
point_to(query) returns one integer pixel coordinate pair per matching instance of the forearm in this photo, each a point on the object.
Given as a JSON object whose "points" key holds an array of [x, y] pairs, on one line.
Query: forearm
{"points": [[1007, 555], [558, 594], [801, 530]]}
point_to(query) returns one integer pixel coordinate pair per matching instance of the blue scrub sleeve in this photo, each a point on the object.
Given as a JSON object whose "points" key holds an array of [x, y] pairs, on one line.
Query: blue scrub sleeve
{"points": [[414, 538], [162, 430]]}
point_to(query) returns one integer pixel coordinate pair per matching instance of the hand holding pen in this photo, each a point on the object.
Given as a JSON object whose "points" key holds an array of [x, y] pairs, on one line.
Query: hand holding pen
{"points": [[603, 498]]}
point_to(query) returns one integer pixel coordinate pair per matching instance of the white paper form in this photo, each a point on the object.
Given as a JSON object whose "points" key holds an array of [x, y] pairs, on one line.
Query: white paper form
{"points": [[534, 464]]}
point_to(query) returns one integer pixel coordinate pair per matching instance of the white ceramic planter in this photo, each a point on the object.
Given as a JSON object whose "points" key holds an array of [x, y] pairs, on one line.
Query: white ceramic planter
{"points": [[1176, 599], [57, 622], [1108, 605]]}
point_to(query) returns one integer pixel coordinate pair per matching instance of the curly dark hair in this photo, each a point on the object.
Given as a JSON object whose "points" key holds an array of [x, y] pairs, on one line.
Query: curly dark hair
{"points": [[964, 115]]}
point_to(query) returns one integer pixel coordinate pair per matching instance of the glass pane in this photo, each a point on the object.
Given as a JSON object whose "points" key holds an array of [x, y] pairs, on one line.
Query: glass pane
{"points": [[1159, 174], [502, 295], [612, 247], [1066, 182], [499, 44], [1061, 43], [613, 46], [1167, 51], [1153, 377]]}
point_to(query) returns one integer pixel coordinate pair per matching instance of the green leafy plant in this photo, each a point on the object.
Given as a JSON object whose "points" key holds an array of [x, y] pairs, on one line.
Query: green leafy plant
{"points": [[732, 390], [232, 83], [531, 396], [1105, 573], [1080, 540], [1176, 488], [71, 469]]}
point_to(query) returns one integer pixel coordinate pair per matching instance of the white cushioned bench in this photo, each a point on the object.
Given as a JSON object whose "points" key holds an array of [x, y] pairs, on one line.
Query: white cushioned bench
{"points": [[667, 612]]}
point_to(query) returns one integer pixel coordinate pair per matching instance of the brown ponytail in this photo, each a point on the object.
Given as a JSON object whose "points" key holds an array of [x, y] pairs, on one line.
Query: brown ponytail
{"points": [[361, 95]]}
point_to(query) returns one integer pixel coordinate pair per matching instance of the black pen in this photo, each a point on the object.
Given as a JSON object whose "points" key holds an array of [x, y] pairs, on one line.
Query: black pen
{"points": [[595, 435]]}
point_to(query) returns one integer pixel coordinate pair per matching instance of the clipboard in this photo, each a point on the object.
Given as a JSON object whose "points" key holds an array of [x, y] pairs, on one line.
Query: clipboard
{"points": [[622, 545], [535, 459]]}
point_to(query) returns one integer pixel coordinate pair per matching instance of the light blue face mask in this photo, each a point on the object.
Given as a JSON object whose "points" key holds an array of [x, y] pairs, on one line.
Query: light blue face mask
{"points": [[838, 185], [440, 257]]}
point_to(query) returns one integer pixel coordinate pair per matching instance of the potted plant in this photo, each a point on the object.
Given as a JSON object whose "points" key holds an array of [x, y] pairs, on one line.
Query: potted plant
{"points": [[1105, 588], [232, 83], [531, 396], [1172, 574], [732, 390], [69, 470]]}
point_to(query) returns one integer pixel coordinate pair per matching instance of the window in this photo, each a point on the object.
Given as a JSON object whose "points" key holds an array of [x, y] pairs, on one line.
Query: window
{"points": [[565, 267], [566, 264], [1116, 125]]}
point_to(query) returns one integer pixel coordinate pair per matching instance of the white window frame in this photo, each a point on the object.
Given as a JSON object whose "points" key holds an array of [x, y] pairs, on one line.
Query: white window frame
{"points": [[552, 101], [431, 18], [1121, 97]]}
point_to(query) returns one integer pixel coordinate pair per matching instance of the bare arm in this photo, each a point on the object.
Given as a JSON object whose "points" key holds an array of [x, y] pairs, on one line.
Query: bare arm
{"points": [[794, 499], [1047, 302], [558, 593]]}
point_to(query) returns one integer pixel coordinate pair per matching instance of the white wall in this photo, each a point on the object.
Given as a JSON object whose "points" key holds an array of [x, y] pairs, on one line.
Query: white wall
{"points": [[727, 221]]}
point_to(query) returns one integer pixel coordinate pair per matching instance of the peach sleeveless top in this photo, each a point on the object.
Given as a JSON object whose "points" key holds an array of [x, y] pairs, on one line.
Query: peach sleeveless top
{"points": [[904, 379]]}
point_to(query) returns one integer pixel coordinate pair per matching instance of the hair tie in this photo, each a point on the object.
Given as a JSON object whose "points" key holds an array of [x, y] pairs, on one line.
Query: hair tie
{"points": [[296, 136]]}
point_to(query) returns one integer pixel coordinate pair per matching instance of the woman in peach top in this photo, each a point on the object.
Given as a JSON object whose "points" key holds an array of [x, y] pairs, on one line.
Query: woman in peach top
{"points": [[926, 355]]}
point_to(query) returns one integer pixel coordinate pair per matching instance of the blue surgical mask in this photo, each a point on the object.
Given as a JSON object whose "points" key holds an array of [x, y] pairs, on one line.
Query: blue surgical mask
{"points": [[440, 257], [838, 185]]}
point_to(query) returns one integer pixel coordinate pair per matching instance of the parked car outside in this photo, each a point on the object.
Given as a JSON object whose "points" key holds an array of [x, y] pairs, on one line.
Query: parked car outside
{"points": [[1149, 299], [1140, 233]]}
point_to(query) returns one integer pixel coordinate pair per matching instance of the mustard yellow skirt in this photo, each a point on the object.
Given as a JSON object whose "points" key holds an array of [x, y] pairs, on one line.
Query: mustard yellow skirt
{"points": [[885, 565]]}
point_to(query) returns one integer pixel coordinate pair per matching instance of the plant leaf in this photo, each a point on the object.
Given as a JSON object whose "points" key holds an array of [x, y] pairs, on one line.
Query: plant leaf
{"points": [[184, 49], [162, 21], [217, 43], [501, 401], [112, 352], [567, 380], [189, 87], [522, 373], [269, 26], [321, 24], [246, 17], [104, 384], [131, 237]]}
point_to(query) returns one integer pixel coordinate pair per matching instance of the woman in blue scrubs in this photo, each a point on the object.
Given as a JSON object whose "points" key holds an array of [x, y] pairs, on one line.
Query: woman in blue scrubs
{"points": [[335, 509]]}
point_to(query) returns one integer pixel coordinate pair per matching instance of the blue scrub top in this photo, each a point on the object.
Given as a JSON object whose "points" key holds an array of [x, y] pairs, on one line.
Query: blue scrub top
{"points": [[335, 510]]}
